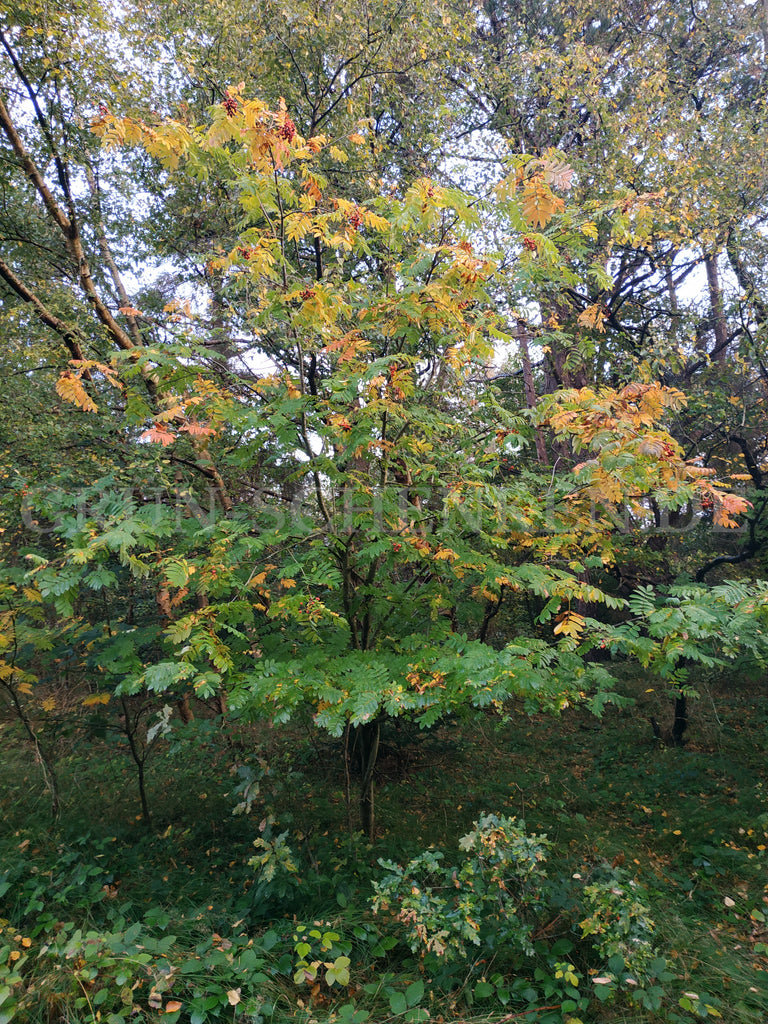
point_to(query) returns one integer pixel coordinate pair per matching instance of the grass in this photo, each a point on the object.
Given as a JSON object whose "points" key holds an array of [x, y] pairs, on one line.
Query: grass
{"points": [[689, 824]]}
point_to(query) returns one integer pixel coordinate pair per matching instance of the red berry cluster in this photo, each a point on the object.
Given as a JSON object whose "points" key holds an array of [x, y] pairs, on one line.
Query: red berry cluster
{"points": [[356, 219], [230, 105], [287, 130], [307, 294], [529, 244]]}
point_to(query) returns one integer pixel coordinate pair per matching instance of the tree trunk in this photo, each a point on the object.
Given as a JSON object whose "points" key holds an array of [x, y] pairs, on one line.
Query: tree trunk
{"points": [[185, 711], [719, 325], [41, 753], [367, 741], [521, 332], [680, 723], [139, 755], [674, 736]]}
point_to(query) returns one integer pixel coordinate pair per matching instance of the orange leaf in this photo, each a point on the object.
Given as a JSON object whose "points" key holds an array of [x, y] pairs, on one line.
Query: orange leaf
{"points": [[350, 345], [172, 1006], [197, 429], [159, 434]]}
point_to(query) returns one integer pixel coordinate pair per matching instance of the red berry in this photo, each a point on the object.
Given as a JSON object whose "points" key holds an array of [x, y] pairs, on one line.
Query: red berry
{"points": [[230, 105], [287, 130]]}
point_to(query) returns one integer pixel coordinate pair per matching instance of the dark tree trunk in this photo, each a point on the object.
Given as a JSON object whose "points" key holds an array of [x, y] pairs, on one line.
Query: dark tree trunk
{"points": [[680, 723], [674, 737], [139, 755], [367, 741]]}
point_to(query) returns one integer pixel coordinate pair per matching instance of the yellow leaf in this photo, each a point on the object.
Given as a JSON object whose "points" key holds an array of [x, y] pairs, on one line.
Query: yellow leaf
{"points": [[70, 388], [233, 996], [25, 688], [539, 203], [569, 624], [593, 317], [338, 154], [298, 225], [356, 138], [373, 220], [96, 698], [48, 704]]}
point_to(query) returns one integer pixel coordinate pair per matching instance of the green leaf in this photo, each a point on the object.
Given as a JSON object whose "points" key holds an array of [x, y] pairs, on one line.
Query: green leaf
{"points": [[397, 1003], [414, 993]]}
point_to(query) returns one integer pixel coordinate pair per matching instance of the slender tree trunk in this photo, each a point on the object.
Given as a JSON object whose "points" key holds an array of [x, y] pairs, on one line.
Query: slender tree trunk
{"points": [[521, 333], [347, 780], [41, 752], [718, 314], [139, 757], [367, 740]]}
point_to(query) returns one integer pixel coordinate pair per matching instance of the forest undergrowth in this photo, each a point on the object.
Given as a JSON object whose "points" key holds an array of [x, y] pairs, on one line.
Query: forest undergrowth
{"points": [[646, 901]]}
